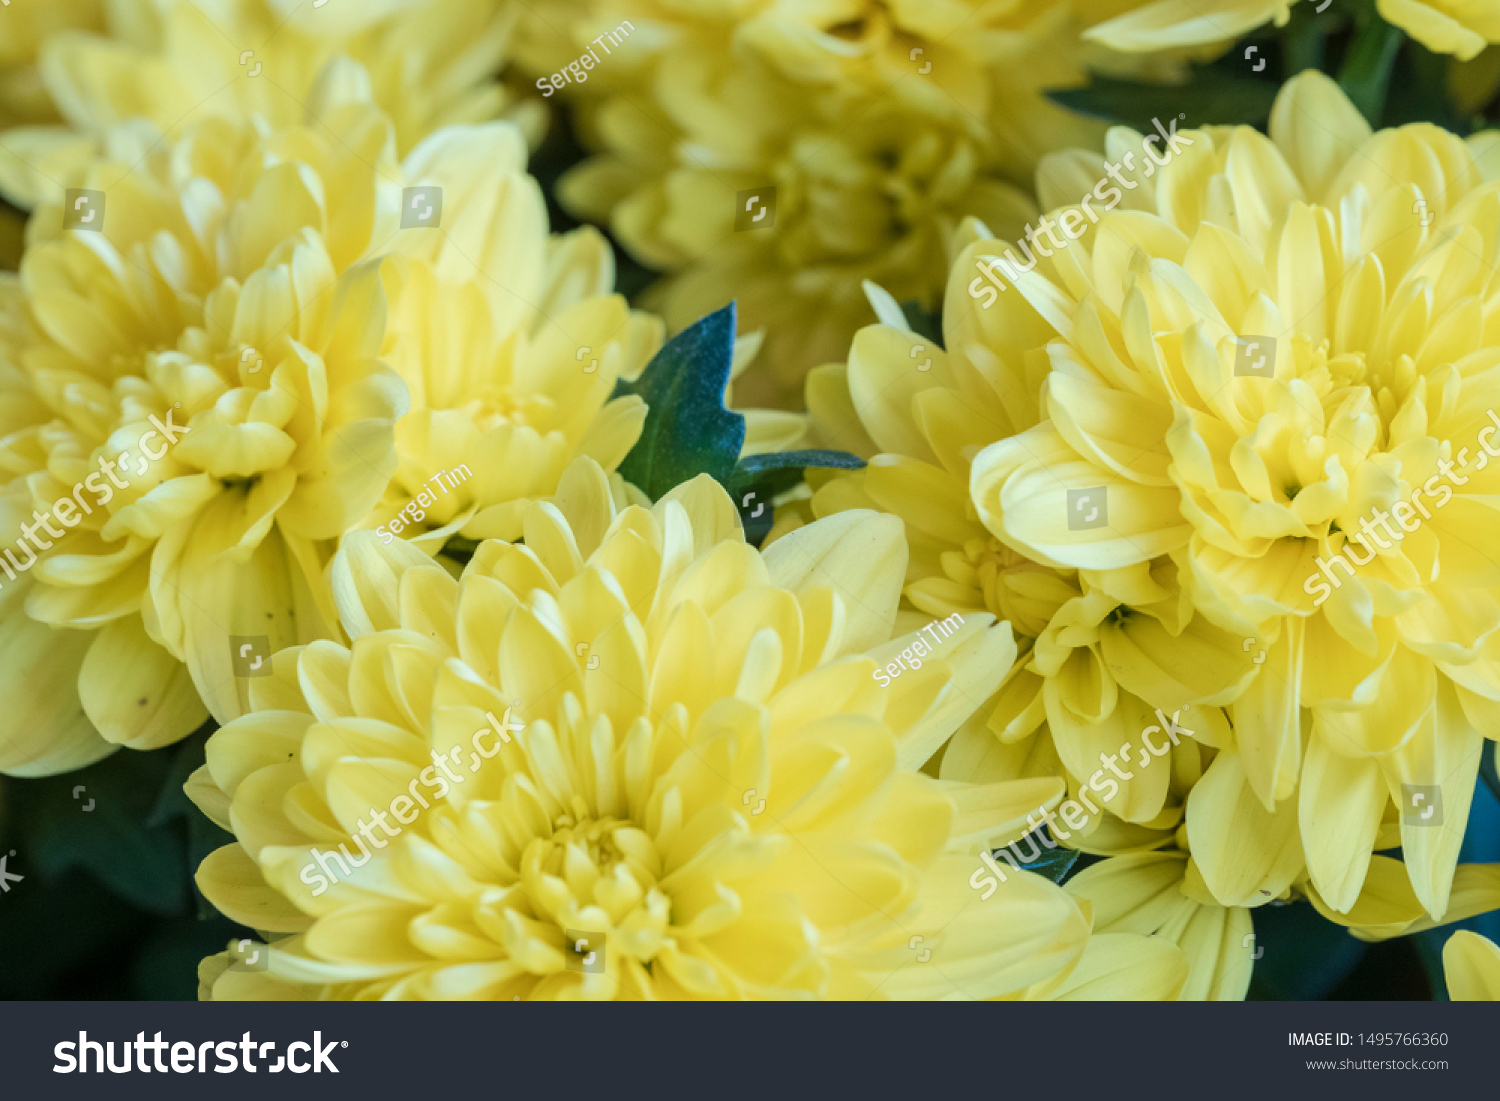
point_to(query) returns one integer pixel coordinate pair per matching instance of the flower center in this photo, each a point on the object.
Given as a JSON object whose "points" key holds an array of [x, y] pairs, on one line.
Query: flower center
{"points": [[1388, 386], [1013, 587], [593, 837], [598, 875], [498, 405]]}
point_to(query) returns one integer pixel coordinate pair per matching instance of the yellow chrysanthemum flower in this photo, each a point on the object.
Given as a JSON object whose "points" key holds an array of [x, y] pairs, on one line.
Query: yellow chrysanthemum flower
{"points": [[1249, 381], [1471, 964], [497, 417], [673, 774], [1100, 651], [232, 282], [511, 374], [879, 126], [1048, 391], [517, 380], [1155, 894], [199, 412], [1461, 27], [428, 63]]}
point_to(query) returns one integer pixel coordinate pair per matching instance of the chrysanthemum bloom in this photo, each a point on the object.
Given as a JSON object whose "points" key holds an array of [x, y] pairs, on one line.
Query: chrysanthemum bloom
{"points": [[1460, 27], [1471, 964], [878, 125], [509, 383], [1281, 378], [921, 415], [497, 416], [511, 356], [1100, 651], [633, 757], [430, 63], [229, 291]]}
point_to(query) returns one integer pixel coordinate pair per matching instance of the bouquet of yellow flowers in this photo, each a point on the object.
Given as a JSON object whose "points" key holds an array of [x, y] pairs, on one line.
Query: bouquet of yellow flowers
{"points": [[625, 499]]}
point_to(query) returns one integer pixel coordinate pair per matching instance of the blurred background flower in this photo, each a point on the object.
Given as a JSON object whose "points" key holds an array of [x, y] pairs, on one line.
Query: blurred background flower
{"points": [[878, 125], [1444, 26], [75, 68], [24, 98]]}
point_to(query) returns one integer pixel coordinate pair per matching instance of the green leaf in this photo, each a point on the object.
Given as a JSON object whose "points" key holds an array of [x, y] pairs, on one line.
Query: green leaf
{"points": [[172, 802], [1487, 769], [688, 431], [757, 479], [1302, 954], [779, 471], [923, 322], [1053, 863], [1215, 98], [1304, 39], [100, 819], [1366, 73], [1419, 91]]}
